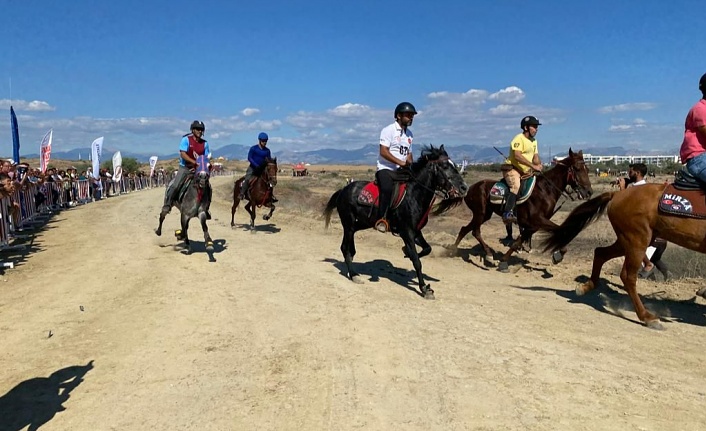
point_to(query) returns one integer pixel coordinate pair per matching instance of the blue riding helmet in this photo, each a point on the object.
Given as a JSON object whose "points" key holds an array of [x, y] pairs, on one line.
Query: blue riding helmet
{"points": [[262, 136]]}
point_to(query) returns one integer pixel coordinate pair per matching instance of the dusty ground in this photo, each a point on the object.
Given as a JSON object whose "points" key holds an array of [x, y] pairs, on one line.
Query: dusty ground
{"points": [[270, 336]]}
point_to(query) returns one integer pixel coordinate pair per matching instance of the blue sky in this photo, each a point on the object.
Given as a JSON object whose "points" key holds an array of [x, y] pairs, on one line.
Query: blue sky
{"points": [[323, 74]]}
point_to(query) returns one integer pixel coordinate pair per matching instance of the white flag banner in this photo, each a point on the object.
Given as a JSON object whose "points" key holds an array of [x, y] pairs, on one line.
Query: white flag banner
{"points": [[96, 151], [45, 151], [153, 164], [117, 166]]}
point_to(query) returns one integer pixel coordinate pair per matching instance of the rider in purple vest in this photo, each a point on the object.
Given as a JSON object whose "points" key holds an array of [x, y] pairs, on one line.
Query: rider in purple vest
{"points": [[192, 145], [257, 156]]}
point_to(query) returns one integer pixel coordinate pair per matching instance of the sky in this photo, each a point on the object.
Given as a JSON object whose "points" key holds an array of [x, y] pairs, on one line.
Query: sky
{"points": [[322, 74]]}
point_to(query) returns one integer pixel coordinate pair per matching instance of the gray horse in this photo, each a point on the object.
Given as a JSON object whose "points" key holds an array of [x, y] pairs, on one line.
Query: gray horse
{"points": [[193, 201]]}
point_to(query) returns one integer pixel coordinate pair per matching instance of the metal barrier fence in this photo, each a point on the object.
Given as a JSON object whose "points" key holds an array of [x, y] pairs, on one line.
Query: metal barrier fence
{"points": [[28, 206]]}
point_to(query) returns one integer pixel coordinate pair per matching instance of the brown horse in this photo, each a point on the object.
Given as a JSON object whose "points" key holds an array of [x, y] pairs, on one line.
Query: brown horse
{"points": [[636, 220], [258, 194], [532, 214]]}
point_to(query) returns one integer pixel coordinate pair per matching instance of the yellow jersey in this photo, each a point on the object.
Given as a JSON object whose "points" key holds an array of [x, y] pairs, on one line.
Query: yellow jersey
{"points": [[526, 146]]}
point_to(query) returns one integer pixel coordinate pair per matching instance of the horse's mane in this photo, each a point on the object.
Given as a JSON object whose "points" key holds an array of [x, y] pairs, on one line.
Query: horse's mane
{"points": [[428, 153]]}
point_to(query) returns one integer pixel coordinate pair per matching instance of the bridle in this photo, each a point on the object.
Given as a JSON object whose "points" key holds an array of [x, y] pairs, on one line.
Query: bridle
{"points": [[266, 177], [446, 183]]}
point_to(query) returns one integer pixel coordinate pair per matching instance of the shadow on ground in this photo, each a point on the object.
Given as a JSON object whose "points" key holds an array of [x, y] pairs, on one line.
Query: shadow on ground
{"points": [[36, 401]]}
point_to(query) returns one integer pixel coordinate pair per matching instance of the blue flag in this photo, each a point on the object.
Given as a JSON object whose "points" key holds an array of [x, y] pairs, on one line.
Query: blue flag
{"points": [[15, 136]]}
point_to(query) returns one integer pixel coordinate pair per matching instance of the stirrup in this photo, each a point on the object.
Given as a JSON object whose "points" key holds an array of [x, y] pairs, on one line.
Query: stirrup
{"points": [[382, 226], [509, 217]]}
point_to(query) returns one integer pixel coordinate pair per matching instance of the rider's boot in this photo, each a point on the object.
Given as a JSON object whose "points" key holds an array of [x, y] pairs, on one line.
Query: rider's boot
{"points": [[509, 211], [167, 207]]}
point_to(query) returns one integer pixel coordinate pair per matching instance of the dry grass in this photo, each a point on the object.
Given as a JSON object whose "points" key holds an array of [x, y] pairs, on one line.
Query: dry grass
{"points": [[309, 195]]}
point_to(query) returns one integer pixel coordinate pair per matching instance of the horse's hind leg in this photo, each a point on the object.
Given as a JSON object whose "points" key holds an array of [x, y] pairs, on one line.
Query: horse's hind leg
{"points": [[601, 255], [236, 202], [628, 275], [250, 208]]}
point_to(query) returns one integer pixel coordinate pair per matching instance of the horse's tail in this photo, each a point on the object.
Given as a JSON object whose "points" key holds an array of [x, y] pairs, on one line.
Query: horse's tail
{"points": [[583, 215], [446, 205], [330, 207]]}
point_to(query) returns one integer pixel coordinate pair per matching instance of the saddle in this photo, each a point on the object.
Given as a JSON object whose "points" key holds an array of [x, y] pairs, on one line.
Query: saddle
{"points": [[500, 190], [370, 194], [686, 196], [251, 183]]}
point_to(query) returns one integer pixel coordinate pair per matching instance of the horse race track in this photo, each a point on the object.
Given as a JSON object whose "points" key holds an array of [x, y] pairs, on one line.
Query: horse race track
{"points": [[271, 336]]}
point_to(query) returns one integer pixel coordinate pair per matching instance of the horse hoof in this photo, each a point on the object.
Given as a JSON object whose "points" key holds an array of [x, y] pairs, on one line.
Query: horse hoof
{"points": [[265, 218], [702, 292], [158, 232], [357, 279], [557, 257], [655, 324], [503, 267], [209, 246], [429, 293], [582, 289]]}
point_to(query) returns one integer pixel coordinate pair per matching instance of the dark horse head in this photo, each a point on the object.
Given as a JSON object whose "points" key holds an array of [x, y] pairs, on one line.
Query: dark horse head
{"points": [[433, 173], [269, 173], [577, 174], [445, 176], [194, 202]]}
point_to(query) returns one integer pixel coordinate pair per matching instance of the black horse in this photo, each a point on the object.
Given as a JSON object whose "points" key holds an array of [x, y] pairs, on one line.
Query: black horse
{"points": [[432, 172], [193, 202], [533, 214]]}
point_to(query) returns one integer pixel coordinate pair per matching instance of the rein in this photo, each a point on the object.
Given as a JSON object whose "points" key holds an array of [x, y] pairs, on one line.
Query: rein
{"points": [[424, 186], [569, 175]]}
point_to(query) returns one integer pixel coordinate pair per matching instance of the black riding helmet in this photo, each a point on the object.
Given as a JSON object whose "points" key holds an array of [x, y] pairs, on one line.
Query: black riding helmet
{"points": [[198, 125], [702, 83], [405, 107], [529, 121]]}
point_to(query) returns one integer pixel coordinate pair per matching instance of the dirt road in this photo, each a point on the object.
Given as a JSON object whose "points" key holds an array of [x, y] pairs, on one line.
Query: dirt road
{"points": [[270, 336]]}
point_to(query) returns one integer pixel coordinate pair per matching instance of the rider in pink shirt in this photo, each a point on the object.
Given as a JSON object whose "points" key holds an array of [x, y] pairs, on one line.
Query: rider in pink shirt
{"points": [[693, 148]]}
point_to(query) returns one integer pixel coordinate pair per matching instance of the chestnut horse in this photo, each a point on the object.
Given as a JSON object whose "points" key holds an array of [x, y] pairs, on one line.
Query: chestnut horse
{"points": [[259, 193], [532, 214], [636, 220]]}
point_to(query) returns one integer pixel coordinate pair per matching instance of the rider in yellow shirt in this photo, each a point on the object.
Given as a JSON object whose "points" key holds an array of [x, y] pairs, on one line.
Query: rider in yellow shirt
{"points": [[524, 157]]}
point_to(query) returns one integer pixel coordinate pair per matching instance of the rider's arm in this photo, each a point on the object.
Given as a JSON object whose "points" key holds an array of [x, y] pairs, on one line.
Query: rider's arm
{"points": [[251, 156], [522, 159], [385, 154], [190, 161]]}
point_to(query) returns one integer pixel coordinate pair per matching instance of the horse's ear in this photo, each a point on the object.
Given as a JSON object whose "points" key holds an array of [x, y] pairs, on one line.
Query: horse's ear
{"points": [[441, 148], [571, 153]]}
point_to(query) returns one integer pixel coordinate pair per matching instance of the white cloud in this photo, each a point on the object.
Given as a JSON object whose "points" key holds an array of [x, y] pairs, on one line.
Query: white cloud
{"points": [[624, 107], [23, 105], [350, 110], [509, 95], [249, 112]]}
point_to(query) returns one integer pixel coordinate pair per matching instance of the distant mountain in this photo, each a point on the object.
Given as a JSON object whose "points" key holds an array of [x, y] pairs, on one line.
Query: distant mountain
{"points": [[367, 155], [85, 154]]}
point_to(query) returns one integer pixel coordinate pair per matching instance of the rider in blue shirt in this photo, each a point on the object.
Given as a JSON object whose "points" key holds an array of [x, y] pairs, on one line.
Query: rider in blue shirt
{"points": [[257, 156]]}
